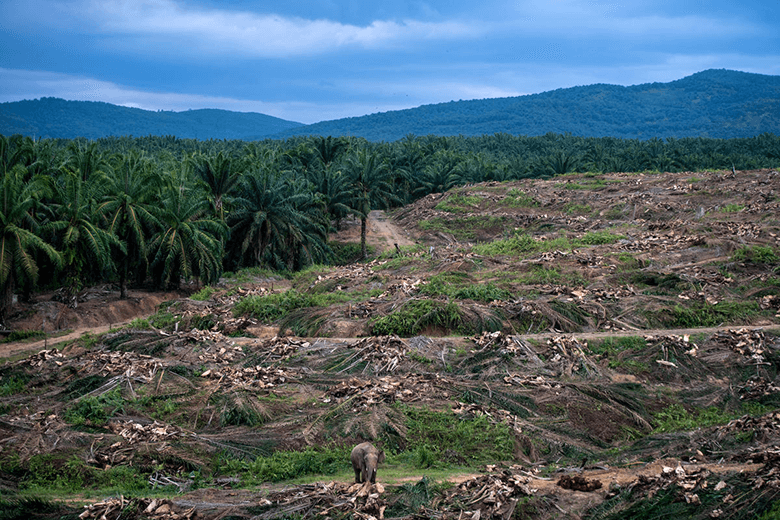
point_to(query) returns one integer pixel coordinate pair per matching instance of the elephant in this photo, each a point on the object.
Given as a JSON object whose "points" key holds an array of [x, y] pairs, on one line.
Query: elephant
{"points": [[365, 458]]}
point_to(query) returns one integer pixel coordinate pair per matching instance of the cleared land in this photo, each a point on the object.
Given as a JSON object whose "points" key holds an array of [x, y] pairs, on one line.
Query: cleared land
{"points": [[598, 346]]}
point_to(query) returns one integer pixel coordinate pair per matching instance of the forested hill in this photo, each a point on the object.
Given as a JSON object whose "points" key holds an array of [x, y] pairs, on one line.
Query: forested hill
{"points": [[712, 103], [53, 117]]}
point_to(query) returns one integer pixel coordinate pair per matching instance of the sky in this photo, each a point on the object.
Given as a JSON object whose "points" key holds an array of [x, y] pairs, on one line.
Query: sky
{"points": [[318, 60]]}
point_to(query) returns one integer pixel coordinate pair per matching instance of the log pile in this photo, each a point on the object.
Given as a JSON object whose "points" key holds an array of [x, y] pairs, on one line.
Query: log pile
{"points": [[495, 495], [110, 363], [248, 377], [42, 357], [496, 340], [134, 433], [321, 500], [686, 482], [387, 389]]}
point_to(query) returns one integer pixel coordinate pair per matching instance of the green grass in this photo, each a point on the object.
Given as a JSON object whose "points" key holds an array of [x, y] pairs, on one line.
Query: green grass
{"points": [[759, 255], [68, 473], [22, 335], [415, 315], [204, 294], [461, 286], [439, 439], [456, 203], [464, 228], [698, 314], [13, 384], [732, 208], [285, 465], [676, 418], [517, 199], [95, 410]]}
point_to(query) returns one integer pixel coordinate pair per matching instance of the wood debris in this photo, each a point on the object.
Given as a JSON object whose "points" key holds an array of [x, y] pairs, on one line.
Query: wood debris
{"points": [[37, 360], [133, 432], [152, 508], [248, 377], [321, 500], [381, 354], [388, 389], [495, 495], [497, 340]]}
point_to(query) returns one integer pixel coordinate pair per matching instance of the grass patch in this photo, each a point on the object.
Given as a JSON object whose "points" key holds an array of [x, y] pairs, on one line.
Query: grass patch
{"points": [[204, 294], [459, 203], [676, 418], [595, 238], [465, 228], [705, 315], [286, 465], [515, 198], [13, 384], [443, 438], [759, 255], [415, 315], [95, 410], [22, 335], [59, 472], [461, 286], [732, 208]]}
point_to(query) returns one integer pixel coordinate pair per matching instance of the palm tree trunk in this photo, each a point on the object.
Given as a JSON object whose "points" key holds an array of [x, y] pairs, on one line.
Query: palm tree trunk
{"points": [[363, 237], [7, 298], [123, 279]]}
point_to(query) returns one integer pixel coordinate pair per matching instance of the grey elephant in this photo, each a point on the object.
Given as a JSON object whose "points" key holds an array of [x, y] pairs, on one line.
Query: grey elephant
{"points": [[365, 458]]}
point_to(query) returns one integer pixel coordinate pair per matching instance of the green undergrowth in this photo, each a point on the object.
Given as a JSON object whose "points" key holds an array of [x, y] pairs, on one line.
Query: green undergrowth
{"points": [[416, 316], [456, 203], [465, 228], [523, 244], [22, 335], [441, 439], [461, 286], [285, 465], [759, 255], [676, 417], [68, 473], [272, 307], [701, 314], [95, 411]]}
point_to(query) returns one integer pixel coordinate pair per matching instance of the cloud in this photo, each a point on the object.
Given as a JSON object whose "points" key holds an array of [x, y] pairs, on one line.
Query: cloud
{"points": [[251, 34]]}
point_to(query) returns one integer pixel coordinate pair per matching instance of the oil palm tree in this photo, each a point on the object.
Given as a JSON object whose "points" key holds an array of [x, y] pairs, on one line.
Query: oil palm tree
{"points": [[130, 192], [275, 219], [373, 188], [188, 242], [86, 247], [218, 173], [18, 239]]}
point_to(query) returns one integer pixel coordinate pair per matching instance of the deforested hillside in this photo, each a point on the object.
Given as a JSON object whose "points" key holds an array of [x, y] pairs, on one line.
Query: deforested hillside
{"points": [[585, 346]]}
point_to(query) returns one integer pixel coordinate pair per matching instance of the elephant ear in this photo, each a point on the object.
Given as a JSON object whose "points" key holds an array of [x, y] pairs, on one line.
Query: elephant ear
{"points": [[381, 457]]}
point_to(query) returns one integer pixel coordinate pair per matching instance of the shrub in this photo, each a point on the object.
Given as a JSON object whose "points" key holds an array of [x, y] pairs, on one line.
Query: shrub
{"points": [[415, 315]]}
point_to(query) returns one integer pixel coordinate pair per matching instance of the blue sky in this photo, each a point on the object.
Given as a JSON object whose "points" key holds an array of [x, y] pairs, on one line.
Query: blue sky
{"points": [[311, 61]]}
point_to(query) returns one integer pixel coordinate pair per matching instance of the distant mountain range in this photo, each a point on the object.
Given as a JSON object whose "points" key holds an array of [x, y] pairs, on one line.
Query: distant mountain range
{"points": [[53, 117], [712, 103]]}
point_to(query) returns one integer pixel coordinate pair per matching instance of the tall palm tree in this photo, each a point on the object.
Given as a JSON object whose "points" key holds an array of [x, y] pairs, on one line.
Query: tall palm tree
{"points": [[373, 187], [86, 247], [219, 174], [131, 190], [18, 238], [188, 243], [86, 160]]}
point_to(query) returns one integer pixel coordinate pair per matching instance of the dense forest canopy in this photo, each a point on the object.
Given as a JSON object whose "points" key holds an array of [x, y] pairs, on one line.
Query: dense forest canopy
{"points": [[158, 210], [713, 103]]}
